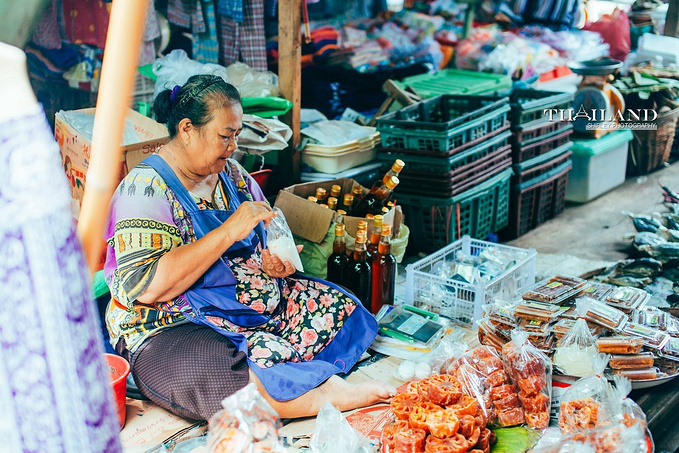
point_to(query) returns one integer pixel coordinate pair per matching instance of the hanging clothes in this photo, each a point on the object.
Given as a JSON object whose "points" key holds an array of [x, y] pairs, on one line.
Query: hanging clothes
{"points": [[85, 22], [55, 391], [46, 34], [206, 44], [245, 40], [232, 9], [147, 53]]}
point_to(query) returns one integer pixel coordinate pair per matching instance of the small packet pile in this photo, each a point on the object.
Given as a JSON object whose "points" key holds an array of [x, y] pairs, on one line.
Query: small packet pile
{"points": [[281, 242], [247, 424]]}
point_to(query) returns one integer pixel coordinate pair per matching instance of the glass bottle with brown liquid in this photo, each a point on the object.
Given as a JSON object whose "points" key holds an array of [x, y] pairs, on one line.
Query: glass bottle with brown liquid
{"points": [[383, 273], [358, 272], [373, 202], [332, 203], [336, 191], [395, 170], [375, 237], [338, 261], [321, 195], [348, 203]]}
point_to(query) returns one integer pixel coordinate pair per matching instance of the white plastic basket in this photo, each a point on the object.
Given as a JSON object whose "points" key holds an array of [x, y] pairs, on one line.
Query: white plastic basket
{"points": [[461, 301]]}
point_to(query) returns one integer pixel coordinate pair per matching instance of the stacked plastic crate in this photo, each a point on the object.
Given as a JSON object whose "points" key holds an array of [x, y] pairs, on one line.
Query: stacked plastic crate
{"points": [[456, 180], [541, 156]]}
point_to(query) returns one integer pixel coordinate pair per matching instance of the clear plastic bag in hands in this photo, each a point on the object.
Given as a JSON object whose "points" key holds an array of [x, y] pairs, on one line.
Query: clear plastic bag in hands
{"points": [[333, 434], [281, 242], [589, 403], [247, 424], [531, 371], [577, 348]]}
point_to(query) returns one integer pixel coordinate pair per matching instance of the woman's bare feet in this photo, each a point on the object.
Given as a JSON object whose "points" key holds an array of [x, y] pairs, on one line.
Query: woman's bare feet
{"points": [[337, 391]]}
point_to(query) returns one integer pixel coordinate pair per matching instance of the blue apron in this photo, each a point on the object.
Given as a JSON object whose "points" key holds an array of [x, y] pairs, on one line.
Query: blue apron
{"points": [[214, 294]]}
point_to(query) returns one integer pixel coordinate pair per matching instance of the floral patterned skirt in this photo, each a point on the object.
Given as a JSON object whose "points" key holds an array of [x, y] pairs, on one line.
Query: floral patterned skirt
{"points": [[305, 315]]}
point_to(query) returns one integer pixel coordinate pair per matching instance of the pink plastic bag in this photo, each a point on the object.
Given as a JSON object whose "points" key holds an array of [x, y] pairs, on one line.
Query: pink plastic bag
{"points": [[614, 30]]}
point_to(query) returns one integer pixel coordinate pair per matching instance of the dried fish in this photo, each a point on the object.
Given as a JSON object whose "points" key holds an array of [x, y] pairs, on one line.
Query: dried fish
{"points": [[641, 267], [623, 280], [663, 252]]}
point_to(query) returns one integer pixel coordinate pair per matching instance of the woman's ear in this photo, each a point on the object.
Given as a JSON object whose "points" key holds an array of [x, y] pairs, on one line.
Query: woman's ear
{"points": [[184, 129]]}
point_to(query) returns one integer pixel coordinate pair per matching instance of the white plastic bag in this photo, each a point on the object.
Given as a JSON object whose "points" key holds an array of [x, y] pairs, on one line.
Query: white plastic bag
{"points": [[281, 242], [176, 68], [247, 424], [577, 348], [333, 434], [252, 83]]}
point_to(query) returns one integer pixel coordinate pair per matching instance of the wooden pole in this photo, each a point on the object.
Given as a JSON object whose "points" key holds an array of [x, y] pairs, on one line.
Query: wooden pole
{"points": [[290, 70], [121, 54], [672, 19]]}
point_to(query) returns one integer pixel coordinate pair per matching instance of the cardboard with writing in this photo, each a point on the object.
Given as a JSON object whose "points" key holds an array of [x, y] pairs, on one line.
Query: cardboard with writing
{"points": [[311, 221], [76, 149]]}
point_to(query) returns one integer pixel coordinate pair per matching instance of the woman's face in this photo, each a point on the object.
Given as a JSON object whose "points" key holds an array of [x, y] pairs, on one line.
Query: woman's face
{"points": [[216, 141]]}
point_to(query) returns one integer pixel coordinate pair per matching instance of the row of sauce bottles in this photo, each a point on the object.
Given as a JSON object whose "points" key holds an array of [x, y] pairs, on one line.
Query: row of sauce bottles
{"points": [[370, 271]]}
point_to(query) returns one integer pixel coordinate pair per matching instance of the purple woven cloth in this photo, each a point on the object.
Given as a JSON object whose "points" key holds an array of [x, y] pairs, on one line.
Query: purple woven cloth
{"points": [[55, 394]]}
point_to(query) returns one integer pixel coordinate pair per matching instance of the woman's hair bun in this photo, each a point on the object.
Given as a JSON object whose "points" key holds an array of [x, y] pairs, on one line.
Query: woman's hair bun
{"points": [[162, 106]]}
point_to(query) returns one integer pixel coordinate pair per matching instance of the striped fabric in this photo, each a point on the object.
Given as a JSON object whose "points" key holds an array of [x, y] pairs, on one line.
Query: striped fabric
{"points": [[247, 39], [206, 44]]}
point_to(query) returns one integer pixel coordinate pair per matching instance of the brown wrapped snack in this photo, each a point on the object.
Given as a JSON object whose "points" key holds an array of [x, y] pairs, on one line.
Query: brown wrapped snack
{"points": [[620, 345], [631, 362]]}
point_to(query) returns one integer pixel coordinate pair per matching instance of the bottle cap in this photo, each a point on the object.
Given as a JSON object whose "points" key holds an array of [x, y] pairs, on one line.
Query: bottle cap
{"points": [[341, 212], [361, 237], [398, 165], [391, 204], [335, 190], [386, 230], [332, 203], [377, 221], [348, 200], [314, 199], [369, 216], [339, 229], [385, 210], [357, 191], [362, 225], [392, 183], [325, 205], [320, 192]]}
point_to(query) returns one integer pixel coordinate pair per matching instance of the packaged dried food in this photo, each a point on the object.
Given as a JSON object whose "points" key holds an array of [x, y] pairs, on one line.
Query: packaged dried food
{"points": [[501, 316], [532, 372], [555, 289], [589, 403], [489, 335], [601, 314], [620, 345], [597, 291], [570, 313], [638, 375], [631, 362], [651, 317], [533, 326], [673, 326], [562, 327], [537, 311], [626, 298], [481, 372], [671, 349], [577, 348], [631, 413], [653, 338], [246, 423], [544, 344]]}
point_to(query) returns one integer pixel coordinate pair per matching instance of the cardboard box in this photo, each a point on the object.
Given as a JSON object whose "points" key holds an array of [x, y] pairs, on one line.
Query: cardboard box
{"points": [[311, 221], [76, 148]]}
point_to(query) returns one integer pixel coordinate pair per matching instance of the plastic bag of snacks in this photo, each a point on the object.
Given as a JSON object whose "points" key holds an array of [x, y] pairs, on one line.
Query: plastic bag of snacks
{"points": [[482, 367], [616, 438], [247, 424], [630, 412], [575, 350], [436, 414], [531, 370], [590, 402]]}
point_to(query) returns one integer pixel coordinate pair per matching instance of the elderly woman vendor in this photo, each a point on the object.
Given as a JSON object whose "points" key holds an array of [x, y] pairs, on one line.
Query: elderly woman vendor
{"points": [[200, 307]]}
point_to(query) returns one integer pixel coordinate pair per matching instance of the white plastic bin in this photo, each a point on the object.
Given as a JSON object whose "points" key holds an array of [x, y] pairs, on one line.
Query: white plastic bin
{"points": [[599, 165], [462, 301], [335, 159]]}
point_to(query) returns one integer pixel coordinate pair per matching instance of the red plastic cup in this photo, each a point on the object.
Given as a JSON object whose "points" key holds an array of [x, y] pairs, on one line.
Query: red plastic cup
{"points": [[119, 369]]}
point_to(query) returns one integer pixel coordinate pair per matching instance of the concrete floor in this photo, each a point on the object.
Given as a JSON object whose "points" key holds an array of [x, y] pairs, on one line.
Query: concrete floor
{"points": [[587, 236]]}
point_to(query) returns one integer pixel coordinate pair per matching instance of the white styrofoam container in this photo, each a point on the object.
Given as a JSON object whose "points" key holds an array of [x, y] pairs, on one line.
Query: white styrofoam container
{"points": [[599, 165], [652, 46], [462, 301]]}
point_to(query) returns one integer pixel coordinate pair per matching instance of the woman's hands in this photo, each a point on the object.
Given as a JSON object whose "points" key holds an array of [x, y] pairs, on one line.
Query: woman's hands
{"points": [[245, 219], [274, 267]]}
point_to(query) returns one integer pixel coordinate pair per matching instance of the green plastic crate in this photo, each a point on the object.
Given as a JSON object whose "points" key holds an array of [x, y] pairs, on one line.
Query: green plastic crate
{"points": [[483, 210], [530, 105], [443, 125], [456, 81]]}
